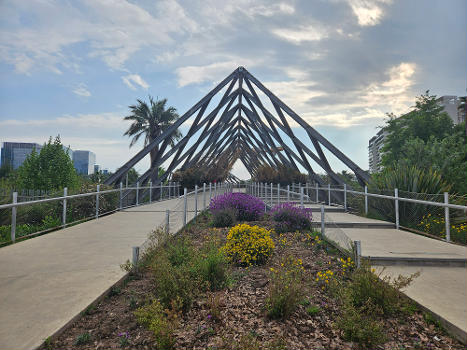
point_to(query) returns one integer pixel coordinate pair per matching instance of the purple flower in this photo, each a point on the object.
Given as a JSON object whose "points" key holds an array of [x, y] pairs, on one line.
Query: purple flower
{"points": [[289, 217], [248, 208], [209, 317]]}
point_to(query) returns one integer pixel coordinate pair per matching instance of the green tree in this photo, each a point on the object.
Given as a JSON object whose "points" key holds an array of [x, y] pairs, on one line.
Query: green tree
{"points": [[427, 121], [151, 120], [51, 169]]}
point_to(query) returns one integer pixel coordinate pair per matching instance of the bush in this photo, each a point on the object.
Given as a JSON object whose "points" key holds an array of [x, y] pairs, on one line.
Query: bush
{"points": [[212, 267], [289, 217], [162, 322], [248, 245], [248, 208], [285, 288], [224, 217]]}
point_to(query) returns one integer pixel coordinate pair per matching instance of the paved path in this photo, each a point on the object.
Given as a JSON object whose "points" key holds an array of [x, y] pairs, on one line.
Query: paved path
{"points": [[47, 280]]}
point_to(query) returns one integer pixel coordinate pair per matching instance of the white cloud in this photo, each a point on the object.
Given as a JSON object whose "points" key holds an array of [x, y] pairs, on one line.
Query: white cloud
{"points": [[134, 79], [302, 34], [82, 90], [368, 12]]}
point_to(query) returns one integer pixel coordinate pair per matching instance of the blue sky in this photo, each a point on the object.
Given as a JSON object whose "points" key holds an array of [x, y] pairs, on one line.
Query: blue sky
{"points": [[73, 67]]}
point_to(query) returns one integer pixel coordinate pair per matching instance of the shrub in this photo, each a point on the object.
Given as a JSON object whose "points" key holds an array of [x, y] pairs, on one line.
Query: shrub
{"points": [[212, 267], [179, 250], [289, 217], [285, 288], [161, 321], [224, 217], [248, 245], [248, 208]]}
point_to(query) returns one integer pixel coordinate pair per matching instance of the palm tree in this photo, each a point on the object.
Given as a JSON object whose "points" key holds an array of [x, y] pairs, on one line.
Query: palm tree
{"points": [[151, 121]]}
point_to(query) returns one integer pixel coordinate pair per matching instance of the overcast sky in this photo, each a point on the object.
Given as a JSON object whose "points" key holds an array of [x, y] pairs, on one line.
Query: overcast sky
{"points": [[73, 67]]}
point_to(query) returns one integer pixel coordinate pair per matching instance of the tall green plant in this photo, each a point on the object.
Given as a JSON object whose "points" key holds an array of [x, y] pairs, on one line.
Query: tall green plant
{"points": [[405, 178]]}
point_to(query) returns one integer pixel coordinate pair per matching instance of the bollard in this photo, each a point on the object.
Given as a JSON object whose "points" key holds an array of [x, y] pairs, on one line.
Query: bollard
{"points": [[345, 197], [446, 218], [135, 258], [65, 193], [278, 194], [184, 206], [329, 194], [121, 195], [150, 191], [322, 221], [204, 195], [317, 194], [97, 201], [358, 253], [366, 200], [301, 197], [167, 219], [137, 193], [196, 200], [396, 207], [13, 217]]}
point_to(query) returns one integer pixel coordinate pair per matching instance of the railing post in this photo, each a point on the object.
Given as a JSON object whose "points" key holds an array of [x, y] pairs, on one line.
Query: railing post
{"points": [[446, 217], [121, 195], [184, 206], [322, 221], [210, 191], [278, 193], [288, 193], [13, 217], [137, 193], [317, 194], [196, 200], [162, 191], [366, 200], [204, 195], [301, 197], [65, 193], [307, 192], [272, 188], [150, 191], [215, 189], [345, 197], [167, 219], [329, 194], [396, 202], [358, 253], [97, 201]]}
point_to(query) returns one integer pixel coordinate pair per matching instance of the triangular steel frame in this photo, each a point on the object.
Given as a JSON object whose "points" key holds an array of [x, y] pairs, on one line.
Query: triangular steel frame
{"points": [[240, 132]]}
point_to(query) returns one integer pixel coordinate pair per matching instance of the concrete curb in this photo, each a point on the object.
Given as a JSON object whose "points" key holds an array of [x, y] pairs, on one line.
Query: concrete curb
{"points": [[410, 261]]}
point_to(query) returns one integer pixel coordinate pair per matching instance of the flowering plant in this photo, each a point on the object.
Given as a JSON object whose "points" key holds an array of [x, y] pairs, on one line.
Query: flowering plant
{"points": [[248, 208], [289, 217], [248, 245]]}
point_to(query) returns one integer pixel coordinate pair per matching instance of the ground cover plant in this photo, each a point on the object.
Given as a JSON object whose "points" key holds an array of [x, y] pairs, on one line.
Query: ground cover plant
{"points": [[241, 205], [290, 217], [191, 292]]}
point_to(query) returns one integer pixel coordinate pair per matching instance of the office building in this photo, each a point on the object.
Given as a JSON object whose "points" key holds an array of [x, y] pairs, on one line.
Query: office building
{"points": [[451, 107], [97, 168], [84, 162], [374, 151], [15, 153]]}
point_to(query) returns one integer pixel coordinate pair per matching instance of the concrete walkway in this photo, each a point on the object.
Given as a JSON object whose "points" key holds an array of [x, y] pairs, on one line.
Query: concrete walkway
{"points": [[48, 280]]}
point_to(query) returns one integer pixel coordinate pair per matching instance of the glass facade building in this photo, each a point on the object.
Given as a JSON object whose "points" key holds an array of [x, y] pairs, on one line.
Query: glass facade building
{"points": [[84, 162], [15, 153]]}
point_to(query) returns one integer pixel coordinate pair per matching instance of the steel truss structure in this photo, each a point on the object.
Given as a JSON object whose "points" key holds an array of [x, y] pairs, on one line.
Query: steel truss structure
{"points": [[240, 126]]}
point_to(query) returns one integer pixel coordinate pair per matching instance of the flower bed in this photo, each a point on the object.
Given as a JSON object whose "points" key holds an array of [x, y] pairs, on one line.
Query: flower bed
{"points": [[246, 207], [289, 217]]}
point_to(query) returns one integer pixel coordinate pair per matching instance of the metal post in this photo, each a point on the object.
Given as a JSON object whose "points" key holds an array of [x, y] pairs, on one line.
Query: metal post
{"points": [[97, 201], [396, 202], [210, 191], [272, 188], [366, 200], [167, 219], [196, 200], [329, 194], [150, 191], [121, 195], [299, 187], [288, 193], [184, 206], [446, 218], [170, 190], [322, 221], [204, 195], [215, 189], [317, 194], [13, 217], [162, 191], [135, 257], [345, 197], [137, 193], [278, 194], [126, 183], [65, 193], [301, 197], [307, 192], [358, 253]]}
